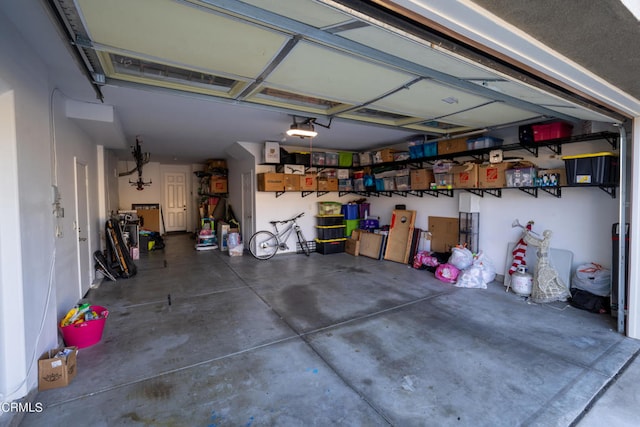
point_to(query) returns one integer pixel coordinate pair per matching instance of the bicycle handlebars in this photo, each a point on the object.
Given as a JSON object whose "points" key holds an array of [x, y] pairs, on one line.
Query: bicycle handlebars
{"points": [[287, 220]]}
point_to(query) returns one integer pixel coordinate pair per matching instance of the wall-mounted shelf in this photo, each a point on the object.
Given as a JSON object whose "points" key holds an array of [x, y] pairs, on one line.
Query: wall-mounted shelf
{"points": [[555, 191]]}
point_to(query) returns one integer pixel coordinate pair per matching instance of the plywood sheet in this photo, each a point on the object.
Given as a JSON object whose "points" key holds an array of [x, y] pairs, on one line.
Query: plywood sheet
{"points": [[371, 244], [443, 233], [400, 232]]}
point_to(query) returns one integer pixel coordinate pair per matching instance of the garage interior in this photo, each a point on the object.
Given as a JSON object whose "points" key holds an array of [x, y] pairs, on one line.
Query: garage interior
{"points": [[204, 338]]}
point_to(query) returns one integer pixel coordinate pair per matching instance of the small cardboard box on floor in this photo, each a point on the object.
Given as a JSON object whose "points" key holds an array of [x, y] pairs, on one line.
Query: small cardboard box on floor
{"points": [[56, 368], [352, 244]]}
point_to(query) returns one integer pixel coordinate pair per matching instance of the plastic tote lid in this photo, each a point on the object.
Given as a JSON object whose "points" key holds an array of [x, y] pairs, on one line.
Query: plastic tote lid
{"points": [[583, 156]]}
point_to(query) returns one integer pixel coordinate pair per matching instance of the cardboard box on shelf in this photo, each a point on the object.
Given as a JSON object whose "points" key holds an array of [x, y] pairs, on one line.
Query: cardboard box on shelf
{"points": [[327, 184], [308, 182], [465, 176], [449, 146], [554, 177], [421, 179], [218, 184], [56, 368], [493, 175], [291, 182], [270, 181]]}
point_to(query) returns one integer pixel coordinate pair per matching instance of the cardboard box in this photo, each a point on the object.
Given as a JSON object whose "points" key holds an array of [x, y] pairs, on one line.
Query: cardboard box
{"points": [[271, 153], [465, 176], [554, 177], [352, 247], [292, 169], [270, 181], [291, 182], [216, 164], [449, 146], [443, 233], [421, 179], [222, 233], [493, 175], [218, 184], [327, 184], [149, 219], [383, 156], [308, 182], [56, 370]]}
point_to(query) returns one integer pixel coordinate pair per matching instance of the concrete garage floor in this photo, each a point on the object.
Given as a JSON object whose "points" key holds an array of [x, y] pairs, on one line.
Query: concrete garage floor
{"points": [[326, 340]]}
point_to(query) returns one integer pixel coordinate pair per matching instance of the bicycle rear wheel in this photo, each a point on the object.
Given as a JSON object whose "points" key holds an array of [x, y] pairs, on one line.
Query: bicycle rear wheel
{"points": [[263, 244], [303, 243]]}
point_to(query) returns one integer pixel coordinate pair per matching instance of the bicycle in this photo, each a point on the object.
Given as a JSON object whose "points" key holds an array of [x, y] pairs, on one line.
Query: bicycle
{"points": [[264, 244]]}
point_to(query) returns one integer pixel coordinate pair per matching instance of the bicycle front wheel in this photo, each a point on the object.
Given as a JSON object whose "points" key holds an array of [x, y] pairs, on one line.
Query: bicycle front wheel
{"points": [[263, 244], [303, 243]]}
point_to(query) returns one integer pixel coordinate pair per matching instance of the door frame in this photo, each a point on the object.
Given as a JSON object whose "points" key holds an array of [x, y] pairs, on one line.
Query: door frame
{"points": [[187, 170], [84, 269]]}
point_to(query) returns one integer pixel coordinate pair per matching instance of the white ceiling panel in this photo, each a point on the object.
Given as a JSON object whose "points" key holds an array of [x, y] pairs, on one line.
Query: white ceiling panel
{"points": [[413, 51], [305, 11], [326, 73], [582, 114], [490, 115], [181, 34], [426, 99]]}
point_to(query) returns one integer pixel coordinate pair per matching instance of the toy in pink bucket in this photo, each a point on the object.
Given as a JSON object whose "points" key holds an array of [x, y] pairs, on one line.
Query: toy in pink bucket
{"points": [[83, 325]]}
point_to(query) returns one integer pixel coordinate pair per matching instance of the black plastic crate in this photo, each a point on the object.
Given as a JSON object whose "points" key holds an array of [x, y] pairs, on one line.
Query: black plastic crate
{"points": [[331, 232], [598, 168], [327, 247], [329, 220]]}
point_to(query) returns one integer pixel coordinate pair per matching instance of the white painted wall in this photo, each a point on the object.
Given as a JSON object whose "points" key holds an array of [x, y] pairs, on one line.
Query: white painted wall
{"points": [[72, 144], [43, 264]]}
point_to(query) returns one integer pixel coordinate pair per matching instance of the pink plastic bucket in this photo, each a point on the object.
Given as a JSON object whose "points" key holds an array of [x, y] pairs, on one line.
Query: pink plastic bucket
{"points": [[87, 333]]}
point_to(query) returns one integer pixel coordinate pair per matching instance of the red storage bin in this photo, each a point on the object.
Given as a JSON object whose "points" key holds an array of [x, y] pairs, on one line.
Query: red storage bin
{"points": [[551, 131]]}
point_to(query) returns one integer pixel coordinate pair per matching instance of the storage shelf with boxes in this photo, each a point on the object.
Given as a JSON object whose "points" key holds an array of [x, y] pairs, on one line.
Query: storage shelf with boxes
{"points": [[390, 172]]}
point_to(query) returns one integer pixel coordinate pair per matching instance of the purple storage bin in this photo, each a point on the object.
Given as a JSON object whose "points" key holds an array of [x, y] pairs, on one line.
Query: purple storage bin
{"points": [[364, 210], [369, 224], [350, 211]]}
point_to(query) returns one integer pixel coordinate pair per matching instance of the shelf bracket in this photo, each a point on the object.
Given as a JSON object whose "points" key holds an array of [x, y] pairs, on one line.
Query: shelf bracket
{"points": [[609, 190], [554, 191], [385, 193], [495, 192], [306, 193], [401, 193], [321, 193], [476, 191], [532, 191], [279, 193], [613, 140], [557, 149], [448, 193], [417, 193], [532, 150]]}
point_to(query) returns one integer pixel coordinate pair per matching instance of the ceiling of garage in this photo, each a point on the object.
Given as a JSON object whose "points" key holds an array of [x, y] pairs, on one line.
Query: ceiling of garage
{"points": [[192, 77]]}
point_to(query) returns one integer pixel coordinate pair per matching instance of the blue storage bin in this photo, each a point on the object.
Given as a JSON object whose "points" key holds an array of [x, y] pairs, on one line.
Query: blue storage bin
{"points": [[350, 211], [379, 184], [416, 151], [430, 149]]}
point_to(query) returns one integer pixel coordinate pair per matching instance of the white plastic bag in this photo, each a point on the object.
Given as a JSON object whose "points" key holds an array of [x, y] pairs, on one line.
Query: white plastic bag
{"points": [[461, 258], [471, 277], [488, 269], [592, 278]]}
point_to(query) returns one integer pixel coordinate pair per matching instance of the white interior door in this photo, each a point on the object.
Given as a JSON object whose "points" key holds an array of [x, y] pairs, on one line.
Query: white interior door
{"points": [[175, 206], [81, 225], [247, 205]]}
